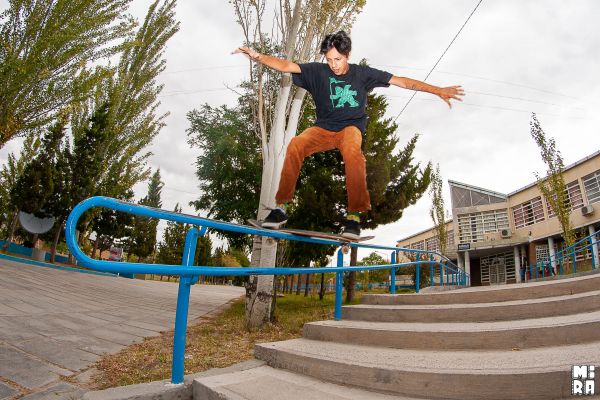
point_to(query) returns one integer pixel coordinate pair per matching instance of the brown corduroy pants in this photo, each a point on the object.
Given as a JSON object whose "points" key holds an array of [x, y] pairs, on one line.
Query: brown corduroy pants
{"points": [[316, 139]]}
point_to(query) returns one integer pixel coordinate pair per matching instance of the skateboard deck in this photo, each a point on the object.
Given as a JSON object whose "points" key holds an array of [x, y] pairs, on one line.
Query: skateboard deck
{"points": [[313, 234]]}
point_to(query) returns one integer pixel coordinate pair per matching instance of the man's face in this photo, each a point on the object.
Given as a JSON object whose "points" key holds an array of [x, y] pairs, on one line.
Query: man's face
{"points": [[337, 62]]}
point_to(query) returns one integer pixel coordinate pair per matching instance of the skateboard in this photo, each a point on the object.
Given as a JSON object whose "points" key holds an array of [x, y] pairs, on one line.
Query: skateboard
{"points": [[313, 234]]}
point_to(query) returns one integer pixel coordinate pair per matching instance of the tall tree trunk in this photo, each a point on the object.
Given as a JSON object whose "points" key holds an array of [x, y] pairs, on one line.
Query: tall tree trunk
{"points": [[59, 228], [322, 288], [351, 275], [11, 232], [307, 286], [285, 284], [95, 248], [299, 285]]}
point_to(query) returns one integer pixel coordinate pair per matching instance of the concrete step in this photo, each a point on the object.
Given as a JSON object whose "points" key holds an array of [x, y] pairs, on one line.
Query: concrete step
{"points": [[468, 312], [504, 335], [491, 294], [266, 383], [541, 373]]}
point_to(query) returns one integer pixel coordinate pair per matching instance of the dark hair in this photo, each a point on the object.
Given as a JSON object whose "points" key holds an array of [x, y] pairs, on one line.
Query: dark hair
{"points": [[340, 40]]}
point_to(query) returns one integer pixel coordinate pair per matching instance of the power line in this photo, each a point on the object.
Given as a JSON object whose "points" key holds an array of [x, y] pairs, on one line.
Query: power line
{"points": [[484, 79], [499, 108], [440, 59], [205, 68]]}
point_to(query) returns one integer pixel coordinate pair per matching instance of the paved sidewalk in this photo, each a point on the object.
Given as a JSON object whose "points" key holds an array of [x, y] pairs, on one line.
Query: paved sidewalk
{"points": [[55, 323]]}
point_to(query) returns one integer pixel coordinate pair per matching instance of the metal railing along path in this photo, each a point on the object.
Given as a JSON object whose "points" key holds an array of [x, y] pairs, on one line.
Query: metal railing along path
{"points": [[554, 264], [190, 273]]}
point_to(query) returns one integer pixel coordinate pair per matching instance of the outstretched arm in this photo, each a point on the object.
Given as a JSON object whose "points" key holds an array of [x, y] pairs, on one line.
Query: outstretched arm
{"points": [[446, 93], [272, 62]]}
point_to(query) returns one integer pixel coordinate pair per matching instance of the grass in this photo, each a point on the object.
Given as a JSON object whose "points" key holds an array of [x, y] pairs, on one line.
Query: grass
{"points": [[216, 342]]}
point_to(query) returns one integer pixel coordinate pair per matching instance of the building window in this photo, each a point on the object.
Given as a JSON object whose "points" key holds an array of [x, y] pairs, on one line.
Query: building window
{"points": [[542, 252], [417, 245], [472, 227], [591, 183], [574, 198], [450, 238], [528, 213], [432, 244]]}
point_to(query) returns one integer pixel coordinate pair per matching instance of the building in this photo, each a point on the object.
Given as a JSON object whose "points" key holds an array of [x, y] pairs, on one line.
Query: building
{"points": [[493, 236]]}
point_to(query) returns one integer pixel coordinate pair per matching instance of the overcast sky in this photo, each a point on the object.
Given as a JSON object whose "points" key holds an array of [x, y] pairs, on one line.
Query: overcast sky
{"points": [[513, 57]]}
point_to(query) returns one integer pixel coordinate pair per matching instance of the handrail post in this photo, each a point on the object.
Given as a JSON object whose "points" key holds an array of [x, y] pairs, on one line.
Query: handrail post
{"points": [[441, 274], [418, 273], [446, 273], [181, 314], [431, 273], [339, 286], [560, 264], [393, 275], [592, 252], [574, 260]]}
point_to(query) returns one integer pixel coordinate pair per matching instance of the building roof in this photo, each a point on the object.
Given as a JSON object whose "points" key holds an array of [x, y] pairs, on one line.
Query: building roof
{"points": [[418, 233], [477, 189], [568, 167]]}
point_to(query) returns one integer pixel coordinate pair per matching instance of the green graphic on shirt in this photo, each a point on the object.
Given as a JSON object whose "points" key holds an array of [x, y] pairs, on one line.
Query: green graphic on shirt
{"points": [[343, 94]]}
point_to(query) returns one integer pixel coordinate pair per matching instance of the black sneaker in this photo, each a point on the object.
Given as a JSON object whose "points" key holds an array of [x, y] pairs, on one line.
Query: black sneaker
{"points": [[351, 229], [276, 218]]}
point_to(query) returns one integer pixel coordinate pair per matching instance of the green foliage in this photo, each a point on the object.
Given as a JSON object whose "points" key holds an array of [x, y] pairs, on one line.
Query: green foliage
{"points": [[142, 241], [240, 256], [170, 249], [204, 251], [553, 187], [131, 90], [380, 275], [424, 271], [10, 174], [228, 167], [437, 210], [35, 186], [87, 160], [394, 180], [45, 46], [111, 225]]}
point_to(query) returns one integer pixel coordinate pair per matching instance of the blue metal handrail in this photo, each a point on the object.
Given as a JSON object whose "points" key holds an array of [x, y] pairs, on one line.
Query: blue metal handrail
{"points": [[566, 253], [190, 273]]}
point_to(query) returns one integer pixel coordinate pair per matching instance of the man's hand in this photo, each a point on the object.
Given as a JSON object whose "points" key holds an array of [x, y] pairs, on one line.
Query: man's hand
{"points": [[451, 92], [247, 51]]}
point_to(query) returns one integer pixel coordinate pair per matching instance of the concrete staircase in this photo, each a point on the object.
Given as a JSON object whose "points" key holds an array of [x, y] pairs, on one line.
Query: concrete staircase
{"points": [[505, 342]]}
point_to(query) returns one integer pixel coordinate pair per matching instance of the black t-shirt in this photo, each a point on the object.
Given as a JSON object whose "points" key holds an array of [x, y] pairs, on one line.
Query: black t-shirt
{"points": [[340, 100]]}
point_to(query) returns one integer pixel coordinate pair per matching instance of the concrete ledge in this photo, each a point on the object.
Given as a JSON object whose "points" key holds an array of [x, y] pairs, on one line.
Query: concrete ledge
{"points": [[164, 390]]}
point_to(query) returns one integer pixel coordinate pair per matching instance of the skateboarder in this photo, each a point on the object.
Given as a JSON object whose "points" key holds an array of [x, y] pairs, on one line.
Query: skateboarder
{"points": [[339, 90]]}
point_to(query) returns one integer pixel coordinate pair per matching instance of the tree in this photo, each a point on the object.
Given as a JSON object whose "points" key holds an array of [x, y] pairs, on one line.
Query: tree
{"points": [[111, 225], [10, 174], [142, 241], [60, 203], [170, 249], [553, 187], [437, 211], [276, 114], [228, 167], [46, 45], [131, 91], [204, 251], [380, 275], [36, 185]]}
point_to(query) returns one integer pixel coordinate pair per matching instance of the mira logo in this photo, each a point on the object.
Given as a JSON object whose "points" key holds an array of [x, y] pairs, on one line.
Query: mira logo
{"points": [[583, 380]]}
